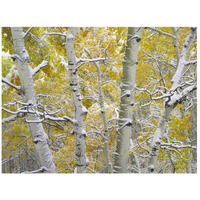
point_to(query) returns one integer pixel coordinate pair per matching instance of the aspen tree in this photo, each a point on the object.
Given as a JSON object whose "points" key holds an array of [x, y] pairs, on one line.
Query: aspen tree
{"points": [[174, 98], [127, 92], [40, 138]]}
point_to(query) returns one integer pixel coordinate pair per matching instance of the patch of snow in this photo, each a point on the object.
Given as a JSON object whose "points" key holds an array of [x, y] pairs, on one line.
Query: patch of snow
{"points": [[69, 36], [114, 69], [84, 111], [117, 167], [83, 133], [5, 54], [87, 160], [131, 144], [115, 153]]}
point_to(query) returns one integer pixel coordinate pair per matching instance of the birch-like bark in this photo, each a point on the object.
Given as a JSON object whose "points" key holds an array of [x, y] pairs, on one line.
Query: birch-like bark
{"points": [[193, 132], [170, 104], [176, 44], [127, 92], [79, 109], [39, 137], [108, 168]]}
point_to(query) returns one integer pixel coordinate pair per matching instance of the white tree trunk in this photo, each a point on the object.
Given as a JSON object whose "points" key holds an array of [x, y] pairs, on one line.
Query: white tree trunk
{"points": [[79, 109], [108, 168], [170, 104], [127, 92], [40, 138]]}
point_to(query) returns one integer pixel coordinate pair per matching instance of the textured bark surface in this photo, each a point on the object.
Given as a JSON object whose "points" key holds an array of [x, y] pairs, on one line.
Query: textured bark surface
{"points": [[40, 138], [170, 104], [127, 92], [161, 128], [79, 109], [108, 166], [193, 138]]}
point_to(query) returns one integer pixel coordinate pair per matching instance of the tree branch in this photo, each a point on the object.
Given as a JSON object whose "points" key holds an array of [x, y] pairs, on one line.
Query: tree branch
{"points": [[41, 170], [166, 145], [27, 32], [192, 62], [161, 32], [4, 80], [87, 61], [176, 98], [39, 67], [58, 34], [182, 62], [9, 119], [45, 116]]}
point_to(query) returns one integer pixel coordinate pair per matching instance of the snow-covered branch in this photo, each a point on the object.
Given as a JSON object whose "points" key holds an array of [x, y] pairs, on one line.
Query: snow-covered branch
{"points": [[128, 122], [192, 62], [4, 80], [27, 32], [142, 146], [167, 145], [88, 61], [163, 33], [136, 37], [176, 98], [54, 33], [161, 97], [182, 62], [44, 115], [39, 67], [91, 60], [41, 170], [9, 119]]}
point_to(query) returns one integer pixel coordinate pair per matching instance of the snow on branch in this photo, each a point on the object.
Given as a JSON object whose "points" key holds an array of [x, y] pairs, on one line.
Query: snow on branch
{"points": [[182, 62], [166, 145], [161, 97], [176, 98], [87, 61], [192, 62], [91, 60], [41, 170], [136, 37], [45, 116], [15, 56], [172, 92], [4, 80], [27, 32], [54, 33], [163, 33], [127, 93], [9, 119], [39, 67], [64, 118], [127, 122]]}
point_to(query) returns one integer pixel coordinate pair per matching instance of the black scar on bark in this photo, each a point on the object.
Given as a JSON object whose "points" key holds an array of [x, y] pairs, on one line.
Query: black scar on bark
{"points": [[151, 170], [138, 39], [193, 28]]}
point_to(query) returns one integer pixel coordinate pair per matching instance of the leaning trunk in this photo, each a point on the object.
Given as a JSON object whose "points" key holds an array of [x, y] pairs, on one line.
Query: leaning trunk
{"points": [[170, 104]]}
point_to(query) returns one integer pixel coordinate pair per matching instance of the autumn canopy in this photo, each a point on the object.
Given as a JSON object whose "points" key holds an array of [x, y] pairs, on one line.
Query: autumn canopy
{"points": [[99, 100]]}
